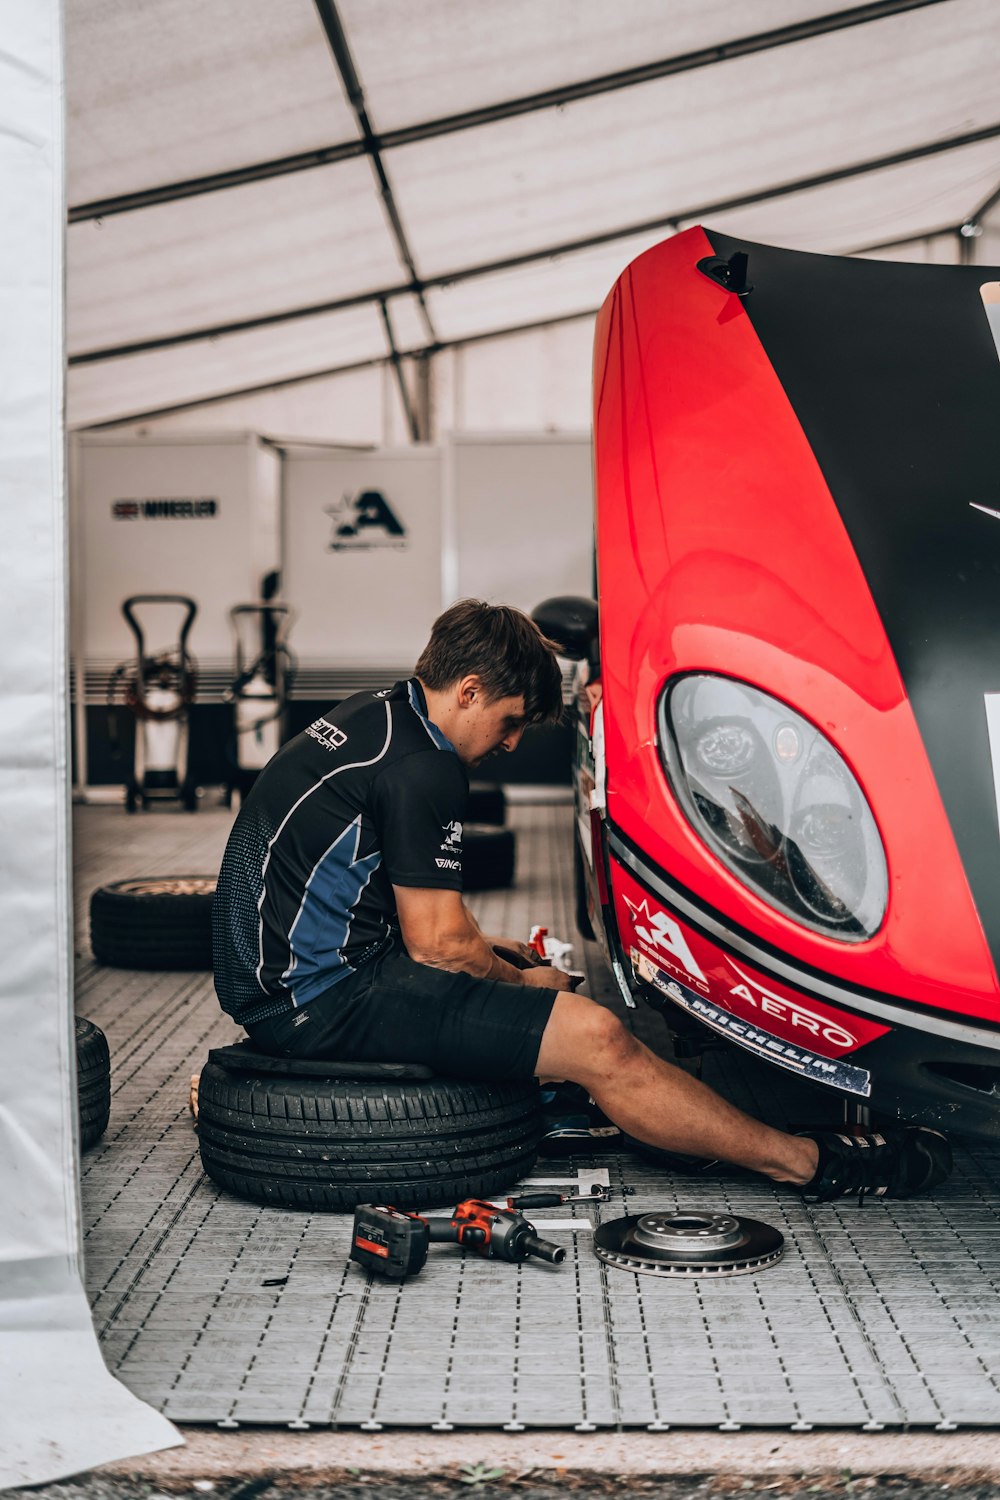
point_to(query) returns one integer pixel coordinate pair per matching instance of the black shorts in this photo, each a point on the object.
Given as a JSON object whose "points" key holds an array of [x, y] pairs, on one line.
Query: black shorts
{"points": [[395, 1010]]}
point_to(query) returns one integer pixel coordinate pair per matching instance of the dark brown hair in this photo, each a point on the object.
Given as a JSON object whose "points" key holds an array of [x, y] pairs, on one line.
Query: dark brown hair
{"points": [[503, 647]]}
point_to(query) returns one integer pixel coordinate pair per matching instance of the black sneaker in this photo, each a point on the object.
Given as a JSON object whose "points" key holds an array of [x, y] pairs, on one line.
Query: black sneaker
{"points": [[878, 1164]]}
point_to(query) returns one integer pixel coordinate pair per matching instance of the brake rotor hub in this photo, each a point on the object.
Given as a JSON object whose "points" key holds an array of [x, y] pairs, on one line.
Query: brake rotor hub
{"points": [[690, 1243]]}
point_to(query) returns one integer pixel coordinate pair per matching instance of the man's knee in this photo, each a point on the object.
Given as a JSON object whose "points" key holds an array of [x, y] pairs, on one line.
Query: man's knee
{"points": [[584, 1041]]}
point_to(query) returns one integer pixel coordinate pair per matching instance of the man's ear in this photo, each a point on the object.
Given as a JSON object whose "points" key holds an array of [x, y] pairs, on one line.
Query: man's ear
{"points": [[470, 690]]}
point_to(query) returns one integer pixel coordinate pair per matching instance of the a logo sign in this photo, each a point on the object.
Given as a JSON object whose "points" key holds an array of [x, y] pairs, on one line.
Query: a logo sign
{"points": [[794, 1015], [201, 509], [754, 1002], [663, 935], [452, 846], [363, 521], [329, 736], [795, 1058]]}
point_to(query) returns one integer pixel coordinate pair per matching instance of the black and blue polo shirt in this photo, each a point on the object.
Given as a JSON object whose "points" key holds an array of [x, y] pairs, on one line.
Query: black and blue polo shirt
{"points": [[370, 796]]}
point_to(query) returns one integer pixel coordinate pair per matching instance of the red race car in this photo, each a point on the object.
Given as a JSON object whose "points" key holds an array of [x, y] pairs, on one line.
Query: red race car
{"points": [[788, 781]]}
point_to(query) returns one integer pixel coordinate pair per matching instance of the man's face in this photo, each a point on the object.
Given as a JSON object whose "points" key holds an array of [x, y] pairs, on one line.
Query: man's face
{"points": [[490, 725]]}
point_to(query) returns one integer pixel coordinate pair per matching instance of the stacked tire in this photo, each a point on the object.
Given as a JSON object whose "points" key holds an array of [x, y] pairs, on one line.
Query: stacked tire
{"points": [[93, 1081], [299, 1138]]}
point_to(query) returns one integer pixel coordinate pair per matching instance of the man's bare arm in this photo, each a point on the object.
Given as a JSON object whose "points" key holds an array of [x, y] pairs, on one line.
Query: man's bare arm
{"points": [[438, 929]]}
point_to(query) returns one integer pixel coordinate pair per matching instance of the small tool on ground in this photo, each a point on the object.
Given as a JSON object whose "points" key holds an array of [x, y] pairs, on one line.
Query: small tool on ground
{"points": [[391, 1243], [597, 1194]]}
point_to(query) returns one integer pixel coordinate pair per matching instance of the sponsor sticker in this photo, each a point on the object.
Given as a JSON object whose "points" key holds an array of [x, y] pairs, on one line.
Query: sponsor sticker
{"points": [[363, 521], [199, 509], [732, 985], [795, 1059]]}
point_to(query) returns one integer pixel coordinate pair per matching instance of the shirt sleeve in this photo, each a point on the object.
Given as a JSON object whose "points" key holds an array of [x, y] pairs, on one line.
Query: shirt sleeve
{"points": [[419, 806]]}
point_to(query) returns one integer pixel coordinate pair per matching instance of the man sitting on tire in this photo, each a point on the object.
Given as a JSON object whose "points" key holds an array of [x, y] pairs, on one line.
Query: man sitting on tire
{"points": [[340, 931]]}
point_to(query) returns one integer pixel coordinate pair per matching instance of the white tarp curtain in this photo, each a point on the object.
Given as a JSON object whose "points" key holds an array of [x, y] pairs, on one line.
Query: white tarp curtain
{"points": [[60, 1411], [175, 90]]}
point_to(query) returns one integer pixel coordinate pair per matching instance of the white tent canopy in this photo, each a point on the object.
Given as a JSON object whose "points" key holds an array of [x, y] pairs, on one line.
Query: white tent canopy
{"points": [[262, 195]]}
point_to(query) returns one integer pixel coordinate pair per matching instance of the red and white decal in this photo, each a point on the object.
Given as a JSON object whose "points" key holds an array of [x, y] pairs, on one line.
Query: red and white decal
{"points": [[675, 948]]}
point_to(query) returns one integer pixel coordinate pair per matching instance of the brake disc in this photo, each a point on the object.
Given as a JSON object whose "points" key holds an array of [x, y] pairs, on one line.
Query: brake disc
{"points": [[690, 1243]]}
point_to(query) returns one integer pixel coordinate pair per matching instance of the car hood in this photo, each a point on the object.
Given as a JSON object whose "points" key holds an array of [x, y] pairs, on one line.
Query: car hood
{"points": [[800, 485]]}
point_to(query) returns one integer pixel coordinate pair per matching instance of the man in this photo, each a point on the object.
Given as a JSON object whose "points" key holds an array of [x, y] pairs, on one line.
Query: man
{"points": [[340, 931]]}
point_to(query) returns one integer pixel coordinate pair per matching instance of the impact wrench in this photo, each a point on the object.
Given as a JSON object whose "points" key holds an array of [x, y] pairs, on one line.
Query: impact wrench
{"points": [[389, 1242]]}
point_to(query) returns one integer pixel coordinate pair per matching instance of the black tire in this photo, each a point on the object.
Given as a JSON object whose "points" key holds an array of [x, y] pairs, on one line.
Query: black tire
{"points": [[487, 857], [328, 1145], [487, 804], [584, 925], [158, 922], [93, 1081]]}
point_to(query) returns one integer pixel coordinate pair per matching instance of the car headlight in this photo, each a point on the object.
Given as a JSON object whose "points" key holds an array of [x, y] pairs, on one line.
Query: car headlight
{"points": [[769, 794]]}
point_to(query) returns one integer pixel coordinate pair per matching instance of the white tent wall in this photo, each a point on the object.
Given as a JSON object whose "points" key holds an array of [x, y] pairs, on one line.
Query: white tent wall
{"points": [[61, 1412]]}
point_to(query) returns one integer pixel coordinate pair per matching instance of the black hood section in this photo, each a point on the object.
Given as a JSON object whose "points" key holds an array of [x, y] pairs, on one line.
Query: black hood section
{"points": [[894, 376]]}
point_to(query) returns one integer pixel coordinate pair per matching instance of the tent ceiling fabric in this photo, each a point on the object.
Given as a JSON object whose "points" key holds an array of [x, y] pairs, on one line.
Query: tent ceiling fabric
{"points": [[150, 382], [448, 57], [317, 236], [738, 127], [167, 89], [170, 91]]}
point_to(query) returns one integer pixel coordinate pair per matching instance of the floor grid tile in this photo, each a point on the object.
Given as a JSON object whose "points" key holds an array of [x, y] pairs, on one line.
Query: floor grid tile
{"points": [[884, 1315]]}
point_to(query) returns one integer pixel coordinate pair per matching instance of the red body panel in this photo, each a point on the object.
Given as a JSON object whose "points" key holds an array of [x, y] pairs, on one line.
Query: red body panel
{"points": [[720, 549], [647, 928]]}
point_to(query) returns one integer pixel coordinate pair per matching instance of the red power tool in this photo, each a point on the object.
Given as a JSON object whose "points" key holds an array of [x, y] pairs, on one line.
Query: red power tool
{"points": [[389, 1242]]}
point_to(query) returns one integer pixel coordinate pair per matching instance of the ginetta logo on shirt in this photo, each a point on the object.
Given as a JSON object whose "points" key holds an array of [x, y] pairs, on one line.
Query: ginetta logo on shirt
{"points": [[452, 846], [329, 736]]}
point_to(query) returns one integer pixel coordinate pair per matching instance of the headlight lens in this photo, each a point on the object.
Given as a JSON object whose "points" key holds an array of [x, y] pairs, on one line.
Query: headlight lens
{"points": [[775, 801]]}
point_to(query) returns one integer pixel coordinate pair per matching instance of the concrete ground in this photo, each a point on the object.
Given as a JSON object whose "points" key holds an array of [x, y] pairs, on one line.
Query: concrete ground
{"points": [[404, 1465]]}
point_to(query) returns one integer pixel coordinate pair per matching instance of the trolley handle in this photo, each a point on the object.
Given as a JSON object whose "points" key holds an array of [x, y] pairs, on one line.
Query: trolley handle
{"points": [[182, 599]]}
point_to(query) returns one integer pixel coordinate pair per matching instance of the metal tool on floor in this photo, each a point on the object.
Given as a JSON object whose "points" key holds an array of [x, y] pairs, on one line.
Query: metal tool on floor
{"points": [[394, 1244], [598, 1194], [688, 1243]]}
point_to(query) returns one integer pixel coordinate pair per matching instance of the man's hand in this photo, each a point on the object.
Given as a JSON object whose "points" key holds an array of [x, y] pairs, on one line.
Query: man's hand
{"points": [[523, 950], [547, 977]]}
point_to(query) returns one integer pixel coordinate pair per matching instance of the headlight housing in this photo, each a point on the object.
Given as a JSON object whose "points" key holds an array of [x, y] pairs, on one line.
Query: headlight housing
{"points": [[769, 794]]}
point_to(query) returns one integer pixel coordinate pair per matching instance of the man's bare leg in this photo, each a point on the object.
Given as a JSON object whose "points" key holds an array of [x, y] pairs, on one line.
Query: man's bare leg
{"points": [[657, 1102]]}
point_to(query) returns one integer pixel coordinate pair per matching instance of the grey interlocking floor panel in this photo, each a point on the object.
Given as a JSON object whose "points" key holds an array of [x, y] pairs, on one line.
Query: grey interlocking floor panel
{"points": [[885, 1315]]}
